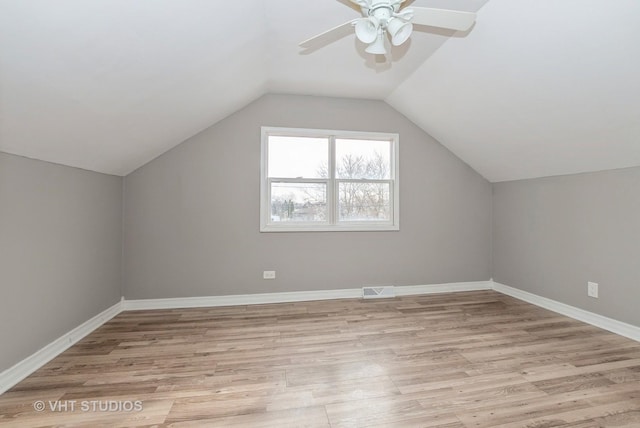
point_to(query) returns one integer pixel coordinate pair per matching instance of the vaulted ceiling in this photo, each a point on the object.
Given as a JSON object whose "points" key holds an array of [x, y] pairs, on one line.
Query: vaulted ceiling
{"points": [[536, 88]]}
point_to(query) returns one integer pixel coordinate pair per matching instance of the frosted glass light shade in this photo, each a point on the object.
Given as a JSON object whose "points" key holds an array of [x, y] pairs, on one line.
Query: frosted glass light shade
{"points": [[399, 31], [377, 47], [367, 29]]}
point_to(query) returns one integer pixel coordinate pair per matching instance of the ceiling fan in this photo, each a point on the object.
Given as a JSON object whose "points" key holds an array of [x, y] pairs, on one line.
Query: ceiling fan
{"points": [[384, 17]]}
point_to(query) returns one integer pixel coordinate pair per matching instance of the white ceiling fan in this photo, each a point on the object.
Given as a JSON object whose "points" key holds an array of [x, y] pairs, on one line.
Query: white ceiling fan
{"points": [[381, 17]]}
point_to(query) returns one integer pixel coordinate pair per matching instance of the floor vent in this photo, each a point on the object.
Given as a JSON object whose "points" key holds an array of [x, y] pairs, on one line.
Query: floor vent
{"points": [[378, 292]]}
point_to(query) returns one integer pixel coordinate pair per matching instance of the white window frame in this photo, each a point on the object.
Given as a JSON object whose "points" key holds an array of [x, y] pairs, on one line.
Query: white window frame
{"points": [[332, 223]]}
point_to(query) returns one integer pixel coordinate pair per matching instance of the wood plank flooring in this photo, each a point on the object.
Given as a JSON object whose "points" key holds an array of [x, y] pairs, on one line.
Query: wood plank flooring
{"points": [[463, 360]]}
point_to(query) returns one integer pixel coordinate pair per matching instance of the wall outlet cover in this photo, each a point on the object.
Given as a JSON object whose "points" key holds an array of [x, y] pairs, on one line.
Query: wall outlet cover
{"points": [[592, 289]]}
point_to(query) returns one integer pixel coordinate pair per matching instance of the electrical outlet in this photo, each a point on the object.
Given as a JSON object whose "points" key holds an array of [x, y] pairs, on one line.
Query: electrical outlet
{"points": [[269, 274], [592, 289]]}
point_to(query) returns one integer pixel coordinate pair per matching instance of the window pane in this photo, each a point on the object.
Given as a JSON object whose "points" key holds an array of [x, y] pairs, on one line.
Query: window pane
{"points": [[295, 202], [359, 201], [298, 157], [363, 159]]}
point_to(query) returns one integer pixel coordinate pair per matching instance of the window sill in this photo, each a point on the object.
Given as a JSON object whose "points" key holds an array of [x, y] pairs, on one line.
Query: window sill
{"points": [[333, 228]]}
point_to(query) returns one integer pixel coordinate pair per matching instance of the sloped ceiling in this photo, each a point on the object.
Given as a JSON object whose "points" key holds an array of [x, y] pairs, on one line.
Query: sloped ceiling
{"points": [[536, 88]]}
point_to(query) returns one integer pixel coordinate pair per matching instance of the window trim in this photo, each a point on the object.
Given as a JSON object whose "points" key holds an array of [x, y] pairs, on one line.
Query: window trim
{"points": [[332, 224]]}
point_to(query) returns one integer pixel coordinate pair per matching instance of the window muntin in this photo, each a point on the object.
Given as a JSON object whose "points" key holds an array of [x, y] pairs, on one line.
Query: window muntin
{"points": [[317, 180]]}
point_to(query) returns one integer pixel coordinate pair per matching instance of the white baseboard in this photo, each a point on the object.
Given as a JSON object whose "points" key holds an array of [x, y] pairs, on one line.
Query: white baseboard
{"points": [[294, 296], [614, 326], [453, 287], [241, 299], [24, 368]]}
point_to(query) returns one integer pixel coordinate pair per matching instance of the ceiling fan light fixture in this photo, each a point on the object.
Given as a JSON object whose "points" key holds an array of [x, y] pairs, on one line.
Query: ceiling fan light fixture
{"points": [[367, 29], [377, 47], [388, 16], [399, 31]]}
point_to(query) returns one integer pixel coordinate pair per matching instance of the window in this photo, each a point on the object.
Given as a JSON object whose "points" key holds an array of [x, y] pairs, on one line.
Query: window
{"points": [[317, 180]]}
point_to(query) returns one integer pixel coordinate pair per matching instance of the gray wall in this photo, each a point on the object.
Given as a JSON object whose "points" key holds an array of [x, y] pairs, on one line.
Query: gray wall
{"points": [[60, 251], [191, 228], [192, 215], [552, 235]]}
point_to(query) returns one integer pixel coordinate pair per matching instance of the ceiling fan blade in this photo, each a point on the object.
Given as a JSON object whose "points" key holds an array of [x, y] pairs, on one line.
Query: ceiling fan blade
{"points": [[329, 34], [443, 18], [352, 5]]}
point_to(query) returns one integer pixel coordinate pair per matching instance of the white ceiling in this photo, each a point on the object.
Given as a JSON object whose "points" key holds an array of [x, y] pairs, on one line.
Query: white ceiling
{"points": [[536, 88]]}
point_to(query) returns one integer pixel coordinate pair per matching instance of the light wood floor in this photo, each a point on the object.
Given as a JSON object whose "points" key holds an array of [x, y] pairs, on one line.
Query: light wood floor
{"points": [[477, 359]]}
